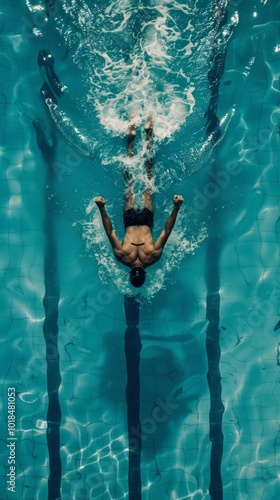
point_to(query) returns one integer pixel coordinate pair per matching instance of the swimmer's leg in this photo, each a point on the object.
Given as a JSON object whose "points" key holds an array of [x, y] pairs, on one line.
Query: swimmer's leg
{"points": [[148, 202], [129, 193], [131, 135], [149, 131]]}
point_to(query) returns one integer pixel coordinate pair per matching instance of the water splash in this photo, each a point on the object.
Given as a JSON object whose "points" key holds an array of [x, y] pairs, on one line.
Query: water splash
{"points": [[129, 66]]}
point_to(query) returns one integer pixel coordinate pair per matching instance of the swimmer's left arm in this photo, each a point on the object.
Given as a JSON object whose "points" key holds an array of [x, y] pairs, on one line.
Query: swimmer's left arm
{"points": [[115, 242], [161, 241]]}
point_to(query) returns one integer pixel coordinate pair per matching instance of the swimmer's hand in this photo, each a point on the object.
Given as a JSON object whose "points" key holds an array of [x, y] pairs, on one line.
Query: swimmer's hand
{"points": [[100, 202], [178, 200]]}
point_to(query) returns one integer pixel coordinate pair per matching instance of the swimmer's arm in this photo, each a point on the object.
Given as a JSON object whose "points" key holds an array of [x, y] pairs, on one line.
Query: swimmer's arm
{"points": [[162, 239], [115, 242]]}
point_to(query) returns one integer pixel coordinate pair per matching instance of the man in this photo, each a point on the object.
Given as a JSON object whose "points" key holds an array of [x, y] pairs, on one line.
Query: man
{"points": [[138, 250]]}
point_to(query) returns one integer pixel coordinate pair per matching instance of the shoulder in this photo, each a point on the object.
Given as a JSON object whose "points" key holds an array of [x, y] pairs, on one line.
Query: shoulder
{"points": [[119, 252], [122, 255]]}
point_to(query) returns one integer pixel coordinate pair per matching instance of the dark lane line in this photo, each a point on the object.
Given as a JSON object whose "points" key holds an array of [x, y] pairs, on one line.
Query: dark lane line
{"points": [[132, 351], [50, 303], [212, 278]]}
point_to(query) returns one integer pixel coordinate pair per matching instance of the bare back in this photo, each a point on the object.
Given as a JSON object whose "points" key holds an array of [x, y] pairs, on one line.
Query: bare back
{"points": [[138, 247]]}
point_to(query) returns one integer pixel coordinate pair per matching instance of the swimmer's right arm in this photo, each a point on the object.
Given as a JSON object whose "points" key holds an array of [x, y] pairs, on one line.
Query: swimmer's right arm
{"points": [[116, 244], [162, 239]]}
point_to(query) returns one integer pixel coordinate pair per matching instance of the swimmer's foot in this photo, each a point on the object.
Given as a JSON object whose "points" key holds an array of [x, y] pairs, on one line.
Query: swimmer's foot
{"points": [[131, 134]]}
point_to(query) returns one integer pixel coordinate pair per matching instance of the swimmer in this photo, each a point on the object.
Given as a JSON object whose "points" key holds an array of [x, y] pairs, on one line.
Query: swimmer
{"points": [[138, 250]]}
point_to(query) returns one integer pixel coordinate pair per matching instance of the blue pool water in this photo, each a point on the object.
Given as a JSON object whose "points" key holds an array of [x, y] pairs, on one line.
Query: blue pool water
{"points": [[173, 393]]}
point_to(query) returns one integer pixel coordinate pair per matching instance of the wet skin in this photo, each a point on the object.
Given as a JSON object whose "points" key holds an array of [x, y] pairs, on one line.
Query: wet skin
{"points": [[145, 254]]}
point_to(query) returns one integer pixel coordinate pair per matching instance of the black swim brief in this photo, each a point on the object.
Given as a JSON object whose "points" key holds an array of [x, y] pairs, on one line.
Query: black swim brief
{"points": [[138, 217]]}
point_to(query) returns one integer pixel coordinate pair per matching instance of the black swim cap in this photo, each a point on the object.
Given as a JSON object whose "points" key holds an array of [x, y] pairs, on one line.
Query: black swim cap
{"points": [[137, 276]]}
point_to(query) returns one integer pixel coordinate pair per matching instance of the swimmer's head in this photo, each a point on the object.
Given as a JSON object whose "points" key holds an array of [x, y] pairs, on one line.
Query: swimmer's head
{"points": [[137, 276]]}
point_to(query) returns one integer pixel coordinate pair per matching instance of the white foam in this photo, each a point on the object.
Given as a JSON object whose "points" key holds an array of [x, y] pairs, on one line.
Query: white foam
{"points": [[121, 85]]}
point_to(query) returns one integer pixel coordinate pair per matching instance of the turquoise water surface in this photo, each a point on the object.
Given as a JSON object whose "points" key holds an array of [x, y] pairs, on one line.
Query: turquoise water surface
{"points": [[171, 393]]}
